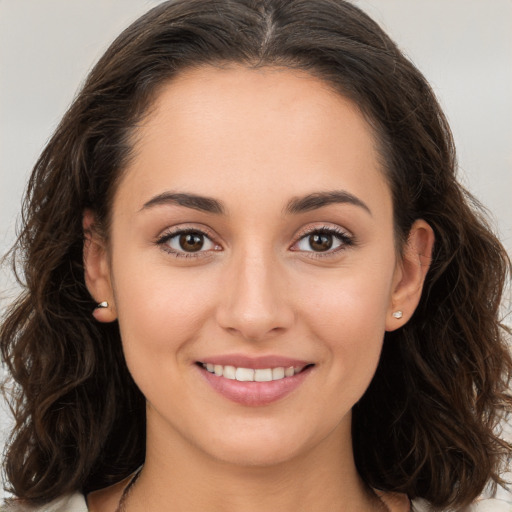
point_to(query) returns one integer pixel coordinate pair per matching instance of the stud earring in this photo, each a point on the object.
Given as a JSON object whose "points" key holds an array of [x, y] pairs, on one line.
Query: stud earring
{"points": [[398, 314], [104, 312]]}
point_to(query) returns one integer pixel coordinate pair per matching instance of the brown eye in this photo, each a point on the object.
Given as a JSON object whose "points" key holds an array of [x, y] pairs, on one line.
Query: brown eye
{"points": [[187, 242], [320, 241], [191, 242], [324, 240]]}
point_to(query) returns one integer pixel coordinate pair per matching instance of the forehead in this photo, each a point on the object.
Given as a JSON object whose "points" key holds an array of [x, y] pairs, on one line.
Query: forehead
{"points": [[235, 130]]}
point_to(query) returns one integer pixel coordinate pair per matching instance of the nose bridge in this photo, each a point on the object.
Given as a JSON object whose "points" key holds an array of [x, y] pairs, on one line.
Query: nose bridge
{"points": [[254, 301]]}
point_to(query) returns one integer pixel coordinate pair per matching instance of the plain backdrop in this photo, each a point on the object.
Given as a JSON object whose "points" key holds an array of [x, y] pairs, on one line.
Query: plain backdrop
{"points": [[464, 48]]}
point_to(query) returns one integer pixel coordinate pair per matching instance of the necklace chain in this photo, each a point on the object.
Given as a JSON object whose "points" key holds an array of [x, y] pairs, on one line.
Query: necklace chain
{"points": [[126, 491]]}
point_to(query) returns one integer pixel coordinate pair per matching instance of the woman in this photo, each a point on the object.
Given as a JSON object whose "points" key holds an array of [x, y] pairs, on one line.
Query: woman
{"points": [[294, 303]]}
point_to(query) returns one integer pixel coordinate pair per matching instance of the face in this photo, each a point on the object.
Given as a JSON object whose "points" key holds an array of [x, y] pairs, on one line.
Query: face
{"points": [[252, 264]]}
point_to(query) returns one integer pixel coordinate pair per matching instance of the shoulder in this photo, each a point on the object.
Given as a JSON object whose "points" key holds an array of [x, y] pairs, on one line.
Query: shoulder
{"points": [[103, 499], [483, 505], [68, 503]]}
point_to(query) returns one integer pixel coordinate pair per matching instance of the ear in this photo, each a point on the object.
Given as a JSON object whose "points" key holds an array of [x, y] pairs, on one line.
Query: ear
{"points": [[97, 269], [410, 275]]}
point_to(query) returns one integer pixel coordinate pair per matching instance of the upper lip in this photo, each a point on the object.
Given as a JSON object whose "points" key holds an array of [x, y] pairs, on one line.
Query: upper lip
{"points": [[260, 362]]}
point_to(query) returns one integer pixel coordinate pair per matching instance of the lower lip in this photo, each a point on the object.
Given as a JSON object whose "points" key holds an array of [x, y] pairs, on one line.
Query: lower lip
{"points": [[254, 393]]}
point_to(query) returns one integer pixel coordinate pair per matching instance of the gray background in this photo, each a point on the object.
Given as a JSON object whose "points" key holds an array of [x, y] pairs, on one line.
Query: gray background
{"points": [[464, 47]]}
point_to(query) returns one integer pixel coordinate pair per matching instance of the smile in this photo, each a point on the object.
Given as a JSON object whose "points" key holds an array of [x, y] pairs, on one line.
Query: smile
{"points": [[252, 375], [254, 387]]}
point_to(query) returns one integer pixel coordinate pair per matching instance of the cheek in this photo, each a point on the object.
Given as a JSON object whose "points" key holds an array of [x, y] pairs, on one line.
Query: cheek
{"points": [[348, 314], [159, 308]]}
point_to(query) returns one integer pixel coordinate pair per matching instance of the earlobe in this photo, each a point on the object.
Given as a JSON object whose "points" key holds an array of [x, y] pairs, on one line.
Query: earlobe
{"points": [[97, 270], [410, 275]]}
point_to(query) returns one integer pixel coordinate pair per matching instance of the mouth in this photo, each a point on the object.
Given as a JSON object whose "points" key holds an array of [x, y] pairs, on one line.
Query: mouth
{"points": [[269, 380], [242, 374]]}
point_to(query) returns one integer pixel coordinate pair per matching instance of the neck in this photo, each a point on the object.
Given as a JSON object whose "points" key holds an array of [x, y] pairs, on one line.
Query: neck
{"points": [[184, 478]]}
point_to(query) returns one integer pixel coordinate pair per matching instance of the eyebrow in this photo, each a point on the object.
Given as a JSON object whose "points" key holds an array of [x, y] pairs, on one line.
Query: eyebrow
{"points": [[295, 206], [201, 203], [320, 199]]}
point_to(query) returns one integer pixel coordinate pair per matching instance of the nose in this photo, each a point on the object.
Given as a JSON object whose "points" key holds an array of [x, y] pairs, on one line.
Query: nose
{"points": [[255, 303]]}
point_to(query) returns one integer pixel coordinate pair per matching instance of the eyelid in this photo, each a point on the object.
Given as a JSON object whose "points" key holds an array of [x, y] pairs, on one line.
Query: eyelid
{"points": [[346, 237], [187, 226], [171, 232]]}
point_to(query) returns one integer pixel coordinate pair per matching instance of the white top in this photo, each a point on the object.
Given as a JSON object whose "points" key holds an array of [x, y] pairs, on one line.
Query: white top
{"points": [[76, 503]]}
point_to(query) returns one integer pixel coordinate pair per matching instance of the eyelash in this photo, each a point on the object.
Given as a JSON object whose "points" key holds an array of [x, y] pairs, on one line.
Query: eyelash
{"points": [[167, 236], [342, 236], [346, 240]]}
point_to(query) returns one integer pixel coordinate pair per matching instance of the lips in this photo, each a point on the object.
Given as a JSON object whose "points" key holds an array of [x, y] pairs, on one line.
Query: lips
{"points": [[254, 381]]}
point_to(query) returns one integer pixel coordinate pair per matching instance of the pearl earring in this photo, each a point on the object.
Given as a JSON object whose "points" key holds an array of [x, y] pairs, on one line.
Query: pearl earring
{"points": [[102, 305], [398, 314]]}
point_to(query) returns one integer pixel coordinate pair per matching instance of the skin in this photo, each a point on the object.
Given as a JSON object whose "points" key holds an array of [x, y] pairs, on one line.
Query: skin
{"points": [[253, 140]]}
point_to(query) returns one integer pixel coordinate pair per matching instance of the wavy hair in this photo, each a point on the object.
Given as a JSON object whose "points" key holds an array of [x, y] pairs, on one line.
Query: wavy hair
{"points": [[427, 425]]}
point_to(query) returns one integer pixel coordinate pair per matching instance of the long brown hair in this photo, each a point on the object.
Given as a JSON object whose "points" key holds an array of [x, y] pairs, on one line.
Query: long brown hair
{"points": [[426, 426]]}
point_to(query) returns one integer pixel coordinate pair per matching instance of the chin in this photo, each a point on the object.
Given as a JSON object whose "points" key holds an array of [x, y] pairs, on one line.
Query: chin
{"points": [[262, 445], [256, 455]]}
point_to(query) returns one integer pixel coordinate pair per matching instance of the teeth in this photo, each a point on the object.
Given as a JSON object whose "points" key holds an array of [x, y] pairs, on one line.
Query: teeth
{"points": [[278, 373], [244, 374], [289, 372], [250, 375], [263, 375], [229, 372]]}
